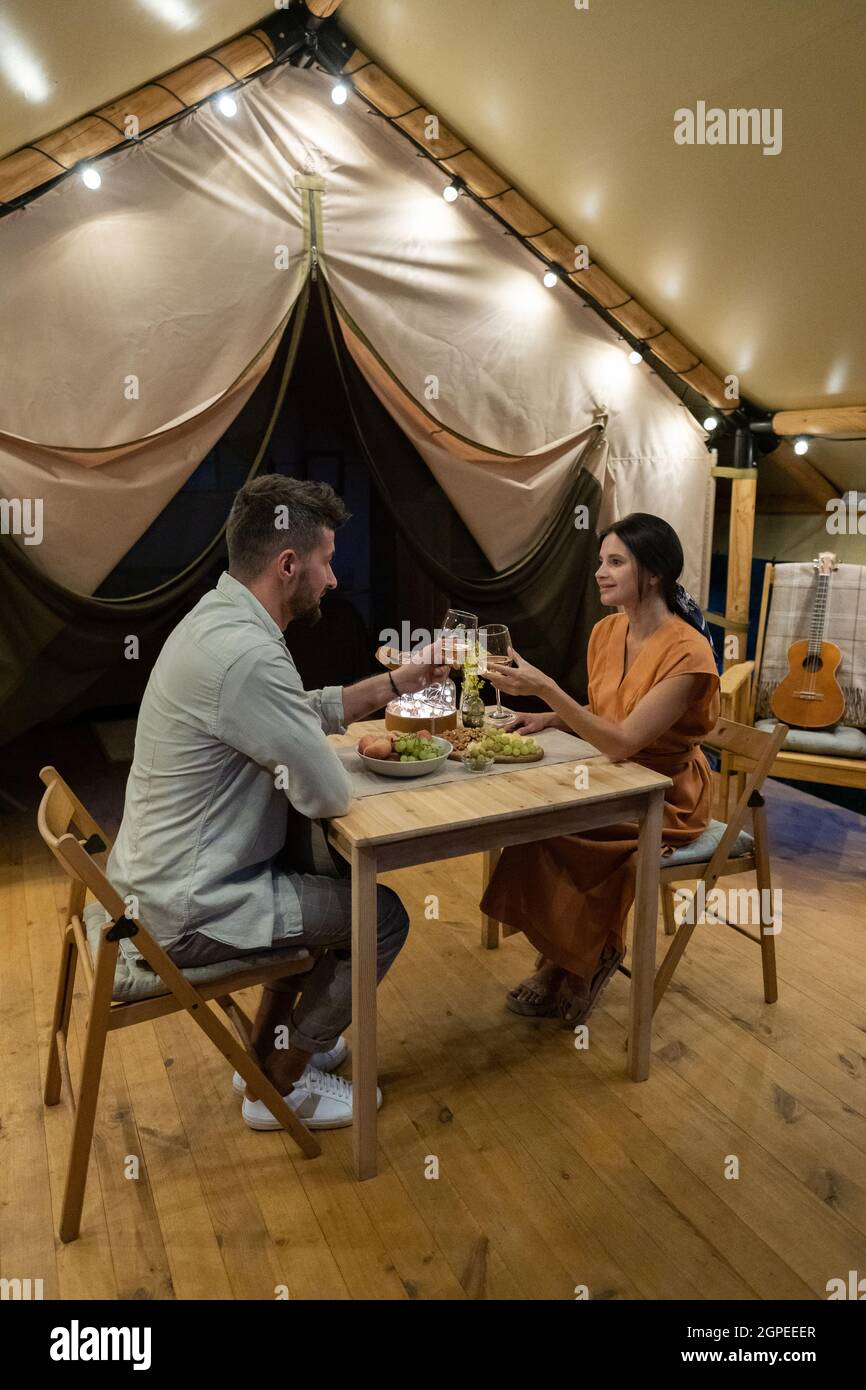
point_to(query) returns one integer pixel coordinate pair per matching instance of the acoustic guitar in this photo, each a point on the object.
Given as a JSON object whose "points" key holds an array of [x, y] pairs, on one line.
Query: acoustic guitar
{"points": [[810, 696]]}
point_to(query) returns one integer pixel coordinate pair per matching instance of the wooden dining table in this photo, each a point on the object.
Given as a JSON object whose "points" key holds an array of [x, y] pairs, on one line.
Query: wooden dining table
{"points": [[417, 824]]}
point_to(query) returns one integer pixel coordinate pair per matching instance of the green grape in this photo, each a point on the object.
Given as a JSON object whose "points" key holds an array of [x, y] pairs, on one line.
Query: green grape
{"points": [[412, 749]]}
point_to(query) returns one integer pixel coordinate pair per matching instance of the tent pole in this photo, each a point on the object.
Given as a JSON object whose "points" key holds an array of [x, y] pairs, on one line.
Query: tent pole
{"points": [[741, 536]]}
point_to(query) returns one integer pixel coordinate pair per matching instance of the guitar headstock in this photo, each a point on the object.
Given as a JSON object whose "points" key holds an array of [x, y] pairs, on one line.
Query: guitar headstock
{"points": [[825, 563]]}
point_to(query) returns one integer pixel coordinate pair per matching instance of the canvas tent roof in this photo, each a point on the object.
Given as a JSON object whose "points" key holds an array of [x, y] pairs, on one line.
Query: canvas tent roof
{"points": [[170, 282], [755, 261]]}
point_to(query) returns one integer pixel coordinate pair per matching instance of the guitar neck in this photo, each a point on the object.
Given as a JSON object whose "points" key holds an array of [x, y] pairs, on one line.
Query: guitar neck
{"points": [[819, 615]]}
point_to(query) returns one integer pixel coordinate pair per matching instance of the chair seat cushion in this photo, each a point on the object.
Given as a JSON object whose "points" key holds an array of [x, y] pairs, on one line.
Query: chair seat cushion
{"points": [[134, 979], [704, 846], [841, 742]]}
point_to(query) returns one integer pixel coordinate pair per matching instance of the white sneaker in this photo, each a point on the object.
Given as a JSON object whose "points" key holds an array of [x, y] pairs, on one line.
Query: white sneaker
{"points": [[321, 1101], [322, 1061]]}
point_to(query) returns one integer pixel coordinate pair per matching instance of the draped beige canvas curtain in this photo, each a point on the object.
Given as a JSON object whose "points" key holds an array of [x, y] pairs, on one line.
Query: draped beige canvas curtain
{"points": [[504, 500], [96, 503], [138, 319]]}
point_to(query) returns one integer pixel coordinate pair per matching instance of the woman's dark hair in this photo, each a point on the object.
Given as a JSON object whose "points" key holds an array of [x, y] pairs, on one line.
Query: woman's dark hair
{"points": [[656, 548]]}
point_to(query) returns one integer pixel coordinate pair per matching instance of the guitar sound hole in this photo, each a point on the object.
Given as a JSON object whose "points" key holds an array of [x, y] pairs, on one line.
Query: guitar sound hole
{"points": [[813, 663]]}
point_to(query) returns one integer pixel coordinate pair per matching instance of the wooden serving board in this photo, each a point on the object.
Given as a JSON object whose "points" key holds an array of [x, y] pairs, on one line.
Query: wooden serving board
{"points": [[457, 756]]}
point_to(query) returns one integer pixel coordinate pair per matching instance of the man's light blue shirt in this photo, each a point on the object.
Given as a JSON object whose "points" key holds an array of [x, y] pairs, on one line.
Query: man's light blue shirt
{"points": [[226, 736]]}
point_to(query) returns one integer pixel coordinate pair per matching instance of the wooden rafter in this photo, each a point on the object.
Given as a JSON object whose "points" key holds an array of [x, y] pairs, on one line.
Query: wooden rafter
{"points": [[839, 420], [156, 101]]}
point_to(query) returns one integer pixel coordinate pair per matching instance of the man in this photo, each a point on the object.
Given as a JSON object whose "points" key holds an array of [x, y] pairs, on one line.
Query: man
{"points": [[227, 743]]}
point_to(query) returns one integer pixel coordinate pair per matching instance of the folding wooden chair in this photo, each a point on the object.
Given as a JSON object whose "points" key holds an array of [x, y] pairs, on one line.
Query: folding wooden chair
{"points": [[166, 990], [726, 849]]}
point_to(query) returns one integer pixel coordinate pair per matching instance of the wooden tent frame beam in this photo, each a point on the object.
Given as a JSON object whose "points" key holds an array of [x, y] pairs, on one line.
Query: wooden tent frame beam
{"points": [[833, 422], [27, 169]]}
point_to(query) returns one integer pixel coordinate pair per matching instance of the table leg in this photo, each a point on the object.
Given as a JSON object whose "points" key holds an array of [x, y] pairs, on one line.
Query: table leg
{"points": [[643, 951], [364, 931], [489, 925]]}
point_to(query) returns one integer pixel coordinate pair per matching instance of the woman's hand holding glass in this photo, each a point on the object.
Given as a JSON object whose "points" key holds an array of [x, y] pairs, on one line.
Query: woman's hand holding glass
{"points": [[520, 679]]}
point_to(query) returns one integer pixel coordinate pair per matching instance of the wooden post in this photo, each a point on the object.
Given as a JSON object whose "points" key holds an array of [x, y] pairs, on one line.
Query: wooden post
{"points": [[741, 535]]}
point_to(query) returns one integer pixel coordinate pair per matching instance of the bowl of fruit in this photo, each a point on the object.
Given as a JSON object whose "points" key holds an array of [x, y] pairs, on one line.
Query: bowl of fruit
{"points": [[395, 754]]}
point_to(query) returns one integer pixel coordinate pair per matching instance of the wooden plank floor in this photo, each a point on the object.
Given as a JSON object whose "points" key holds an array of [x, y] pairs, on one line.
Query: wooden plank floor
{"points": [[554, 1171]]}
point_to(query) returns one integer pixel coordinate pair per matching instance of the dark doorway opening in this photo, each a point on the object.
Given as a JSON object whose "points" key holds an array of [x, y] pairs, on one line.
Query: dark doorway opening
{"points": [[380, 584]]}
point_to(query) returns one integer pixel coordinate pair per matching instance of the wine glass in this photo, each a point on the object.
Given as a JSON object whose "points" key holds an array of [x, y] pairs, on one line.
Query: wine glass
{"points": [[460, 628], [494, 641]]}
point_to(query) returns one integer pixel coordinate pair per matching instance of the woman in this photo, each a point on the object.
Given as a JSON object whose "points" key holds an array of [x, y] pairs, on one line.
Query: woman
{"points": [[653, 694]]}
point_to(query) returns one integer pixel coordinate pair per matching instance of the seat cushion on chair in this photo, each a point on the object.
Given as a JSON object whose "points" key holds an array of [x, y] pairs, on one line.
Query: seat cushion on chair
{"points": [[841, 742], [134, 979], [704, 847]]}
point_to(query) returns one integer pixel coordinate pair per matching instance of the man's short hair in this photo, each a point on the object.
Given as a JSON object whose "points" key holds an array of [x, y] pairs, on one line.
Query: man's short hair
{"points": [[273, 513]]}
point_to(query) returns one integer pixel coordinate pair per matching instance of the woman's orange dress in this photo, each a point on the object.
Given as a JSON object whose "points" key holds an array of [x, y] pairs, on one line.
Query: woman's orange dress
{"points": [[571, 895]]}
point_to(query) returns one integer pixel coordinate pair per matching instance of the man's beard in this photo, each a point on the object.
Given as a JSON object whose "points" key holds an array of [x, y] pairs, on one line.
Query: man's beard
{"points": [[310, 616], [308, 610]]}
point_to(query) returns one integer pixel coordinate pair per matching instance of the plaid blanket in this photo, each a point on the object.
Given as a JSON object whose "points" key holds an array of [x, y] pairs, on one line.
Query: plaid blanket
{"points": [[790, 616]]}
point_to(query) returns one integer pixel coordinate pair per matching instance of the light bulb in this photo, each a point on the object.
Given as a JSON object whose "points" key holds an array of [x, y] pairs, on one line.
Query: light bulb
{"points": [[91, 177], [634, 357], [549, 279], [451, 193], [801, 445], [339, 93], [710, 422], [227, 105]]}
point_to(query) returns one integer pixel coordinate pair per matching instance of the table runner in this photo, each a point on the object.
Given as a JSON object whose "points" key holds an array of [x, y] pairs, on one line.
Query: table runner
{"points": [[558, 746]]}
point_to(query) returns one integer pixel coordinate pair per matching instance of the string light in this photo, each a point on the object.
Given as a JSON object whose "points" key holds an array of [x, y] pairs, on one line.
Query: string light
{"points": [[549, 279], [227, 105], [91, 177], [634, 357], [801, 445], [451, 192], [710, 423], [339, 93]]}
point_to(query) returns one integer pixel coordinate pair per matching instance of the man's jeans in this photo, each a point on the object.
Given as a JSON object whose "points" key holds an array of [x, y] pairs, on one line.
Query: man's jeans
{"points": [[325, 1006]]}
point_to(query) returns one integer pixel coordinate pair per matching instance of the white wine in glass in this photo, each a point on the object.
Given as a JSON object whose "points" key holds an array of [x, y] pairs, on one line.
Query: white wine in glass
{"points": [[458, 630], [494, 641]]}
